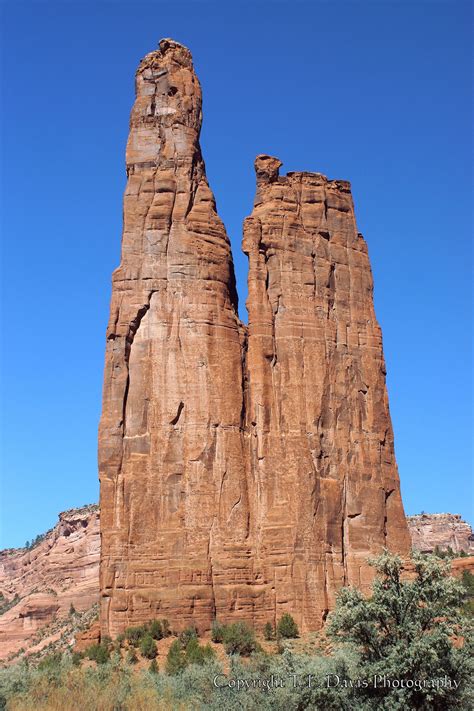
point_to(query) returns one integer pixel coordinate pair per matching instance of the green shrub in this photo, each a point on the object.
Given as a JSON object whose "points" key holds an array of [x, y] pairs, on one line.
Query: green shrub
{"points": [[98, 653], [148, 647], [268, 632], [217, 632], [155, 628], [120, 639], [131, 657], [134, 635], [76, 658], [287, 627], [153, 668], [467, 580], [51, 661], [407, 631], [239, 638], [186, 635], [165, 626], [175, 659], [196, 654]]}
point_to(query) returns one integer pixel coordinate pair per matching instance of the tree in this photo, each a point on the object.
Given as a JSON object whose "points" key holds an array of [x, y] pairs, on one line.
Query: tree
{"points": [[287, 627], [407, 631], [217, 632], [467, 580], [175, 659], [135, 634], [156, 629], [195, 654], [239, 638], [98, 653], [148, 647], [268, 632], [186, 635]]}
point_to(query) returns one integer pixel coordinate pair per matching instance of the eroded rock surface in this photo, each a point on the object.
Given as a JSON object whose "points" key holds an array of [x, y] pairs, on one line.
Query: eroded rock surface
{"points": [[174, 498], [40, 584], [243, 472], [321, 440], [442, 531]]}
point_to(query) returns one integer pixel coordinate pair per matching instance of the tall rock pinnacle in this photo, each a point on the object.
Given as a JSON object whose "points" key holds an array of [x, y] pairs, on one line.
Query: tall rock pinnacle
{"points": [[173, 480], [321, 441], [242, 474]]}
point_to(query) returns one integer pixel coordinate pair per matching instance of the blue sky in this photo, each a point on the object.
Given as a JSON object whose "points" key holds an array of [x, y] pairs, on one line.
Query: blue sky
{"points": [[376, 93]]}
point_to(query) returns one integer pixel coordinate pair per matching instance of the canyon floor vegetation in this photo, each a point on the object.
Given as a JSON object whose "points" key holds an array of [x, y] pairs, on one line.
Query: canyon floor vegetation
{"points": [[408, 646]]}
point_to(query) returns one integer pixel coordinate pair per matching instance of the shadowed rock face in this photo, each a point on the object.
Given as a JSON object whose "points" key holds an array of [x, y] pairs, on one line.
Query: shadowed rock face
{"points": [[242, 474]]}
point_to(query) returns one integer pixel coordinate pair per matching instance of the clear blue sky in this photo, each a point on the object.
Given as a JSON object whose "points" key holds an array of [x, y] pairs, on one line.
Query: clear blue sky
{"points": [[374, 92]]}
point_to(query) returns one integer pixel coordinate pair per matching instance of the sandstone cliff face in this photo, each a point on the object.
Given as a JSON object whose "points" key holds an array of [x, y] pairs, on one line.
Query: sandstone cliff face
{"points": [[321, 441], [244, 472], [40, 584], [442, 530]]}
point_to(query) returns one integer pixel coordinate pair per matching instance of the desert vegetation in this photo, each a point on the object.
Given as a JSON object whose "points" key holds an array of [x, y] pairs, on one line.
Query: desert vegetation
{"points": [[407, 646]]}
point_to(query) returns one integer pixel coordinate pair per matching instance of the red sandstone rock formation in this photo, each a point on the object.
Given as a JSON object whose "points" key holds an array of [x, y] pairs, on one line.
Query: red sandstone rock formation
{"points": [[174, 500], [41, 583], [321, 440], [443, 531], [242, 474]]}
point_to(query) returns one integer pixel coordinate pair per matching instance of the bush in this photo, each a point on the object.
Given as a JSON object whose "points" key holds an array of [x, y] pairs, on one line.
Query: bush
{"points": [[98, 653], [268, 632], [148, 647], [187, 634], [195, 654], [51, 661], [467, 580], [155, 629], [239, 638], [72, 610], [407, 631], [153, 668], [287, 627], [217, 632], [134, 635], [131, 657], [175, 659], [165, 626], [76, 658]]}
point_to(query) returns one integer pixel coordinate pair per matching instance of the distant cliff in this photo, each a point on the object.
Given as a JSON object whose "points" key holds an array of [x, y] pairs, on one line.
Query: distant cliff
{"points": [[442, 531], [39, 584]]}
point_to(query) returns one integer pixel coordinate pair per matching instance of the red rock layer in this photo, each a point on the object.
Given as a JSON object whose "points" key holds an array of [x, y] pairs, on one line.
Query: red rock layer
{"points": [[321, 440], [44, 581], [236, 486]]}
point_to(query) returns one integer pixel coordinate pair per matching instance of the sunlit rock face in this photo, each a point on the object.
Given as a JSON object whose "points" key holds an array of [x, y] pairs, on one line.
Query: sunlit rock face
{"points": [[320, 440], [174, 487], [244, 471]]}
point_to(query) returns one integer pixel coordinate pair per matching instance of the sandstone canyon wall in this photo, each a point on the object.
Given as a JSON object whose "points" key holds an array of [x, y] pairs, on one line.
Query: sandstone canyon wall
{"points": [[39, 584], [244, 471], [442, 531]]}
